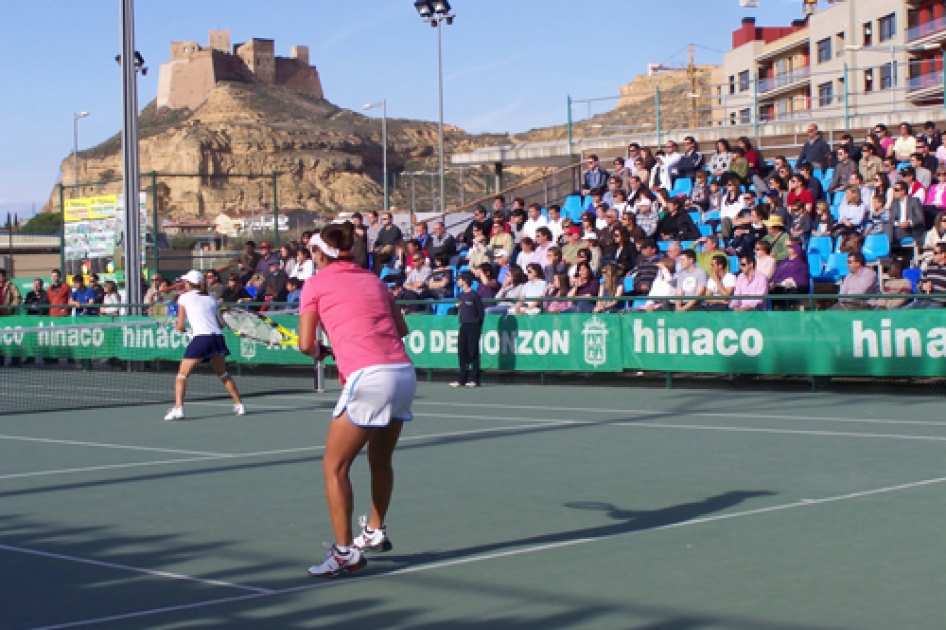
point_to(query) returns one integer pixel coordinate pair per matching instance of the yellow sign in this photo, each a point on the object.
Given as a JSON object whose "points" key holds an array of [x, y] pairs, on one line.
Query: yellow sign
{"points": [[90, 208]]}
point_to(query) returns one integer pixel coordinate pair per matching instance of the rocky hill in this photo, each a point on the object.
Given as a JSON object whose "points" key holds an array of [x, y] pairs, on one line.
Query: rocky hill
{"points": [[636, 107], [326, 157]]}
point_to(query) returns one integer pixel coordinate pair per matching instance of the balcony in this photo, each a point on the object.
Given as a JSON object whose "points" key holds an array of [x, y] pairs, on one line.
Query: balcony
{"points": [[927, 29], [784, 80], [925, 81]]}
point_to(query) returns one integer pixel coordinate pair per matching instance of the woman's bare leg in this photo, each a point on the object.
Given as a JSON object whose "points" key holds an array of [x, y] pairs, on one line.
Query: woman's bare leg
{"points": [[219, 365], [344, 442], [381, 445], [180, 384]]}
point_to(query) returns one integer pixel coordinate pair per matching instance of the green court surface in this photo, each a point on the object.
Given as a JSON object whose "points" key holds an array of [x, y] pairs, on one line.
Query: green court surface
{"points": [[515, 507]]}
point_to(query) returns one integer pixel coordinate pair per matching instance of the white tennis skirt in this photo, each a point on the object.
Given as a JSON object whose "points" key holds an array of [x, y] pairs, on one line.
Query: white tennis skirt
{"points": [[375, 395]]}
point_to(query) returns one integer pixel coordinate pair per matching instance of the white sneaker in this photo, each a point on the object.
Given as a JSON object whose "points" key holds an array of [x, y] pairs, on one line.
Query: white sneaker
{"points": [[336, 563], [471, 385], [372, 539], [239, 410], [175, 413], [456, 384]]}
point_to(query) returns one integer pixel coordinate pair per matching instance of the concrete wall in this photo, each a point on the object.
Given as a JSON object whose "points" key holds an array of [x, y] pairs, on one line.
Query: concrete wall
{"points": [[186, 82]]}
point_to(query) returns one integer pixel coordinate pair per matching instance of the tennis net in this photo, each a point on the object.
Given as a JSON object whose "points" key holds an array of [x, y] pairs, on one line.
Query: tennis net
{"points": [[104, 362]]}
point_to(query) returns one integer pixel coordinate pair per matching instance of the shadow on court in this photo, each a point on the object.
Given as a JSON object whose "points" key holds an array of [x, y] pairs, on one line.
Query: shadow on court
{"points": [[626, 522]]}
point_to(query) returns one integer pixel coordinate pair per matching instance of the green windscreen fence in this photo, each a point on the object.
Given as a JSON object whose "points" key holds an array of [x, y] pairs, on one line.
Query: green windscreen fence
{"points": [[77, 362]]}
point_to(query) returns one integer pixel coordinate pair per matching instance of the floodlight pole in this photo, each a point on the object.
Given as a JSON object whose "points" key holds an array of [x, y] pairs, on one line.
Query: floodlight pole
{"points": [[443, 187], [130, 172], [75, 145]]}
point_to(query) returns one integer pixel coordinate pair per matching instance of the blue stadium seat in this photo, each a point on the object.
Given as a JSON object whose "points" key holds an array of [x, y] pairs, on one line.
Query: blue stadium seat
{"points": [[835, 268], [820, 245], [876, 246], [913, 275], [688, 244], [734, 264], [837, 198], [828, 176], [663, 245], [639, 304], [572, 207], [681, 186], [711, 216], [628, 285], [442, 309], [815, 265], [251, 290], [705, 230], [695, 215], [587, 203]]}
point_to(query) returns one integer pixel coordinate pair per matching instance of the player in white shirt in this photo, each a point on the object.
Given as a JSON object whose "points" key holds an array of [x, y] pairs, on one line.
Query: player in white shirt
{"points": [[199, 310]]}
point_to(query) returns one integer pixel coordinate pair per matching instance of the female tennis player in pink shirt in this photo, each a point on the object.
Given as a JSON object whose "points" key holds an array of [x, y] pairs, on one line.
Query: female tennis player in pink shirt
{"points": [[365, 328]]}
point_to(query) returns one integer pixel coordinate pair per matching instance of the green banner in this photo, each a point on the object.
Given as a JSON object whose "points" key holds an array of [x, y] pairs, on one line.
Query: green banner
{"points": [[531, 343], [824, 343]]}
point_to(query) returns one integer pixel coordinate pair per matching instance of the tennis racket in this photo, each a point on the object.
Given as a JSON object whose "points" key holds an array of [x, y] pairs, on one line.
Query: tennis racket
{"points": [[257, 328]]}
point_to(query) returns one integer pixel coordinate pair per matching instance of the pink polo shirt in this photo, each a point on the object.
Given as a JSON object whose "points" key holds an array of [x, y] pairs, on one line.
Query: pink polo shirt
{"points": [[354, 308]]}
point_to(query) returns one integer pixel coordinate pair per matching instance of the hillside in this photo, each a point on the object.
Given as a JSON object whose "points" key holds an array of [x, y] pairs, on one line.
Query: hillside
{"points": [[636, 108], [327, 157]]}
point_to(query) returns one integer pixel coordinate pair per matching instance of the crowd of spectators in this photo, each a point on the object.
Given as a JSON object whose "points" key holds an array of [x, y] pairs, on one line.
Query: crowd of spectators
{"points": [[641, 233]]}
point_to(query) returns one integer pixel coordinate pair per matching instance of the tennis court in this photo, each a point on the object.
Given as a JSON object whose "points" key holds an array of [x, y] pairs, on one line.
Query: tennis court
{"points": [[516, 507]]}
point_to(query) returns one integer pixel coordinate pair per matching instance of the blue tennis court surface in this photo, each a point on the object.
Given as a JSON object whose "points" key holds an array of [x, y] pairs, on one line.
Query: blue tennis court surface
{"points": [[515, 507]]}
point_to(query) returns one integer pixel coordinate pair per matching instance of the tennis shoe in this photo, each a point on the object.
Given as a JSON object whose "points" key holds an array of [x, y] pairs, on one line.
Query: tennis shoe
{"points": [[174, 413], [456, 384], [372, 539], [471, 385], [337, 563], [239, 410]]}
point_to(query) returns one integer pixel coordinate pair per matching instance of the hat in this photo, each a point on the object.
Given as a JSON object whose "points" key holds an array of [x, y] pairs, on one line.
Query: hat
{"points": [[264, 245], [775, 221], [466, 276], [573, 230], [193, 277], [501, 253], [589, 236], [274, 261]]}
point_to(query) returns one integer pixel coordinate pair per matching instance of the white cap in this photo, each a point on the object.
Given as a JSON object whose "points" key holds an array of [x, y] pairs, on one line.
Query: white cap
{"points": [[501, 253], [193, 276]]}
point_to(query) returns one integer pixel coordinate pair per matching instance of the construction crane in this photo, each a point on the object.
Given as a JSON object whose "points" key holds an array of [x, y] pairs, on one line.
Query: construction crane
{"points": [[655, 68]]}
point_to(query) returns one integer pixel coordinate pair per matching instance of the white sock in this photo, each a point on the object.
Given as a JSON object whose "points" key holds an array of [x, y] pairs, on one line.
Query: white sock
{"points": [[343, 550]]}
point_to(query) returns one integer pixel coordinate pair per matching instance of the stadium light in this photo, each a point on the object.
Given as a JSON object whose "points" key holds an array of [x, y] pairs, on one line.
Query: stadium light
{"points": [[384, 143], [437, 12], [75, 144]]}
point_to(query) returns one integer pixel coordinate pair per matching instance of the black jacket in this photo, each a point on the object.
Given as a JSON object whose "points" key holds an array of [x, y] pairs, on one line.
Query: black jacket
{"points": [[679, 227]]}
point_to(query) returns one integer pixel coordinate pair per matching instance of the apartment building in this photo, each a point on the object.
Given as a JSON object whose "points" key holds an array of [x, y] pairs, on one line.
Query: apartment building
{"points": [[847, 58]]}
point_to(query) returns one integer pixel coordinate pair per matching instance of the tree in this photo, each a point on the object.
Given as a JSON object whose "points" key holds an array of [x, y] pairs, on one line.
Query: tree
{"points": [[44, 223]]}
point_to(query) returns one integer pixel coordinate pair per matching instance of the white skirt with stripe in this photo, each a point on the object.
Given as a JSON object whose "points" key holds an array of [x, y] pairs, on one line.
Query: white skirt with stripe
{"points": [[375, 395]]}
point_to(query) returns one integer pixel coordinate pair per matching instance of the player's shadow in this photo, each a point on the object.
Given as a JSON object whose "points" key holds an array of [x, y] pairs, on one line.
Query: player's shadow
{"points": [[625, 522]]}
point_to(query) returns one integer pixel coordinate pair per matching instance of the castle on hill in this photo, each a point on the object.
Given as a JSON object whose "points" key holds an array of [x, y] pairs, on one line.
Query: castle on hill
{"points": [[193, 71]]}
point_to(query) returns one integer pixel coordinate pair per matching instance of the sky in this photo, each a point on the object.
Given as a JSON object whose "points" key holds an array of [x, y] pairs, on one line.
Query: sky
{"points": [[509, 65]]}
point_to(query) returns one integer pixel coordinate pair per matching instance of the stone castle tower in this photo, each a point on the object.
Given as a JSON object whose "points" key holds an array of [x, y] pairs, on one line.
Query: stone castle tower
{"points": [[193, 71]]}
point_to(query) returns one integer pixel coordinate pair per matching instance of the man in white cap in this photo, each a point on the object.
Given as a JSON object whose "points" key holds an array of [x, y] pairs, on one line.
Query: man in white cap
{"points": [[501, 257], [590, 242]]}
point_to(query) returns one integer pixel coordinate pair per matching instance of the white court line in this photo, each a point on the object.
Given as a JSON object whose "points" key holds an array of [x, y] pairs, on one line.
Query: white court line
{"points": [[23, 438], [502, 554], [125, 567], [698, 427], [700, 414], [285, 451]]}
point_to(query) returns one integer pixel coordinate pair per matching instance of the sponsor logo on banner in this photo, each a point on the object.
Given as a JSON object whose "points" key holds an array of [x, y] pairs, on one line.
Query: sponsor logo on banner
{"points": [[595, 332], [247, 349]]}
